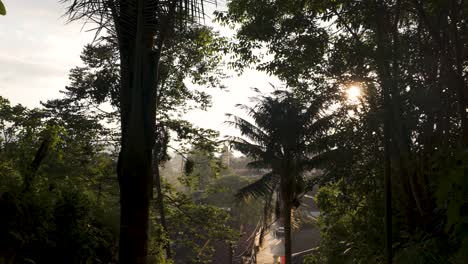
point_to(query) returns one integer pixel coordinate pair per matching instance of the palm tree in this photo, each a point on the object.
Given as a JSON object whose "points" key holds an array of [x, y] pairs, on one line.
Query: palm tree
{"points": [[286, 138], [141, 29]]}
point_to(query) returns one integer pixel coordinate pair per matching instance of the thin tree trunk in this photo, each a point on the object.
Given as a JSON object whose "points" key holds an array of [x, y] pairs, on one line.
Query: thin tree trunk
{"points": [[230, 253], [385, 77], [401, 134], [160, 206], [287, 232], [40, 155], [387, 181], [99, 194]]}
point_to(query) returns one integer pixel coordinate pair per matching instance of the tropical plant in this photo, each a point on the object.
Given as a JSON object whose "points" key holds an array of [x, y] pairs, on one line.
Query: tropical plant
{"points": [[287, 140], [142, 29]]}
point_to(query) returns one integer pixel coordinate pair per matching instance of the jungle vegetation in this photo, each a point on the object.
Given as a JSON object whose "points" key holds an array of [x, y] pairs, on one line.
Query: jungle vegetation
{"points": [[372, 113]]}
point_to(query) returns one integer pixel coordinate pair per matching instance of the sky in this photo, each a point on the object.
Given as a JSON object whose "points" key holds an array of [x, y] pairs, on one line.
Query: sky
{"points": [[38, 48]]}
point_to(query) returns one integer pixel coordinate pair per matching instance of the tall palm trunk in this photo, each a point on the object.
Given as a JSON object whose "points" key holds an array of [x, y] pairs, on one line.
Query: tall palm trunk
{"points": [[287, 231], [137, 98], [287, 188], [135, 175]]}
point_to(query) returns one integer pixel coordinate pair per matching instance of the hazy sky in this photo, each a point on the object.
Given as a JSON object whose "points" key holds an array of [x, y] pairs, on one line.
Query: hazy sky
{"points": [[38, 48]]}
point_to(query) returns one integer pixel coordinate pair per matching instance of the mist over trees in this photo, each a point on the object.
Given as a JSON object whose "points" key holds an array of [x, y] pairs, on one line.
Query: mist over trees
{"points": [[370, 121]]}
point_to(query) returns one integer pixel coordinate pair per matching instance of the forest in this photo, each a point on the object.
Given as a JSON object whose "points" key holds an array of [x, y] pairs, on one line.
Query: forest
{"points": [[358, 155]]}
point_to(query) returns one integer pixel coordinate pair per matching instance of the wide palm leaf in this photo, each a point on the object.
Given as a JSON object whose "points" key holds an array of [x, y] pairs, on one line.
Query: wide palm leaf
{"points": [[282, 140]]}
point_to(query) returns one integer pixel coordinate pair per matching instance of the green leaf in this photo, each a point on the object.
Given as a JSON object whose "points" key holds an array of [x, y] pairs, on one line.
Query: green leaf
{"points": [[2, 9]]}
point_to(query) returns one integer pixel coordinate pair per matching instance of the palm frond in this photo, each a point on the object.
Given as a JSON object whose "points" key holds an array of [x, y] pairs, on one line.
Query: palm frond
{"points": [[247, 148], [319, 125], [247, 129], [119, 17], [320, 160], [259, 164], [263, 187], [313, 110], [248, 109]]}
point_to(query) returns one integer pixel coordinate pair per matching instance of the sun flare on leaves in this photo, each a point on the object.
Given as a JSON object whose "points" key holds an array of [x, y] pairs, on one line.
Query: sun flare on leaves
{"points": [[353, 94]]}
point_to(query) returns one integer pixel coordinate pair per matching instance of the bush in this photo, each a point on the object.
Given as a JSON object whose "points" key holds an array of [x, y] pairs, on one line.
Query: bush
{"points": [[56, 226]]}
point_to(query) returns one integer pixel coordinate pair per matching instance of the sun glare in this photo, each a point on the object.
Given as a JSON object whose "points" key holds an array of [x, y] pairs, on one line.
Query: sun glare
{"points": [[353, 93]]}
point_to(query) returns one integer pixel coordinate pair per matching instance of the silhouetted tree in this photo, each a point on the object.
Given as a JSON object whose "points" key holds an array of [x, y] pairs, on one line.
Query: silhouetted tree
{"points": [[141, 28], [286, 138]]}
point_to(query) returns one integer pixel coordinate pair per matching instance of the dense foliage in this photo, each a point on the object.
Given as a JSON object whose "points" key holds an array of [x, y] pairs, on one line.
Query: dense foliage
{"points": [[390, 162], [409, 58], [69, 211]]}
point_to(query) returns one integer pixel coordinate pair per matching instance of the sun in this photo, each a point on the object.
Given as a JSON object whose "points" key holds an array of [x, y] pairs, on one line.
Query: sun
{"points": [[353, 93]]}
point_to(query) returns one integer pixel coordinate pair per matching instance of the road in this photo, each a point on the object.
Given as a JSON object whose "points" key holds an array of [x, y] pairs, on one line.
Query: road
{"points": [[271, 247]]}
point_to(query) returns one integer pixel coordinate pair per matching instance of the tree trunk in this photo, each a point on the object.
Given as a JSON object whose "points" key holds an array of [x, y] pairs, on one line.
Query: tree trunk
{"points": [[387, 190], [160, 205], [414, 190], [135, 172], [40, 155], [137, 105], [230, 253], [99, 194], [386, 84], [287, 232]]}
